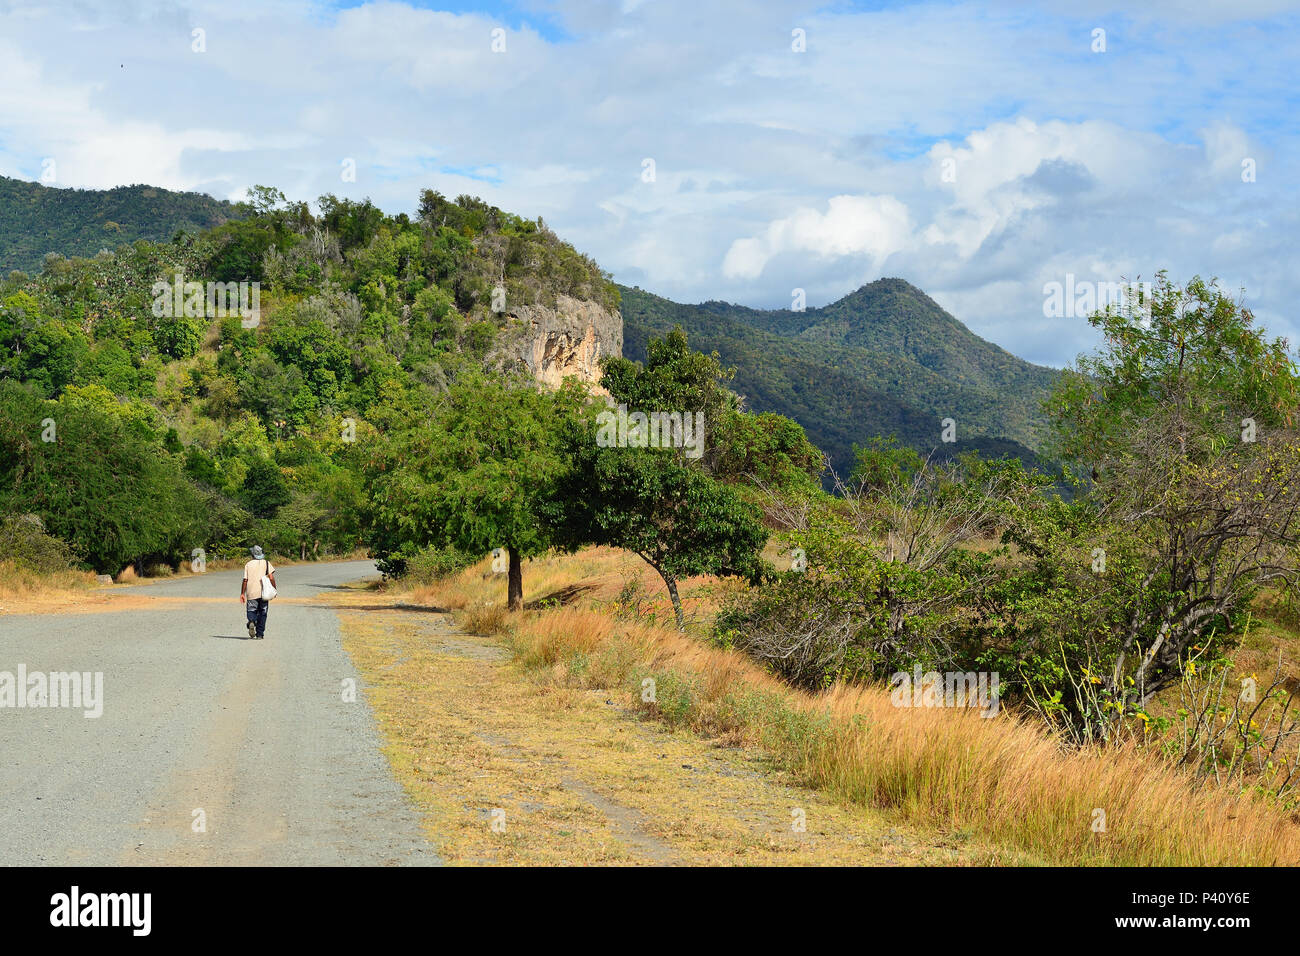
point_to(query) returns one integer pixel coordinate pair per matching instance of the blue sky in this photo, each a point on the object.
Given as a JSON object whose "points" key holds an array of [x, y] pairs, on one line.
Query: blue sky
{"points": [[540, 17], [979, 150]]}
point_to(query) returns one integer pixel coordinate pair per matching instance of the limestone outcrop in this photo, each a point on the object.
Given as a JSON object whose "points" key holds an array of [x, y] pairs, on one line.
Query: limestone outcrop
{"points": [[569, 339]]}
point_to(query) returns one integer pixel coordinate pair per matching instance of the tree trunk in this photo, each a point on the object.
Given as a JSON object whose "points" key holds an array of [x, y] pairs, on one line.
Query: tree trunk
{"points": [[677, 601], [515, 588]]}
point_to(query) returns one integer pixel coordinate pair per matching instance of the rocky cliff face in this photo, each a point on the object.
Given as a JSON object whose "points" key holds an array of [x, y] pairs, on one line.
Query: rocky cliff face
{"points": [[570, 339]]}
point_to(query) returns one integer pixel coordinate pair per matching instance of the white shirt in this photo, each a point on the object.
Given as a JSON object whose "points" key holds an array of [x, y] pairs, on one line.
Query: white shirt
{"points": [[253, 575]]}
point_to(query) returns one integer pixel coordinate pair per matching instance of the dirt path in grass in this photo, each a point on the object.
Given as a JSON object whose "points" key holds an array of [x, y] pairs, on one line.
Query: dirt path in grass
{"points": [[506, 769]]}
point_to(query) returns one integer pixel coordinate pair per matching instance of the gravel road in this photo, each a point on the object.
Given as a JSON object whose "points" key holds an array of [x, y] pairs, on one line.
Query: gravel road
{"points": [[200, 725]]}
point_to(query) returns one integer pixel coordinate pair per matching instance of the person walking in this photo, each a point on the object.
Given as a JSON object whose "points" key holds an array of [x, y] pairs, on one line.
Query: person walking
{"points": [[250, 592]]}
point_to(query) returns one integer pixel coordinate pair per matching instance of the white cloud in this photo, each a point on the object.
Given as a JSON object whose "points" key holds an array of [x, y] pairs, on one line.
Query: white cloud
{"points": [[1226, 146], [775, 169], [870, 226]]}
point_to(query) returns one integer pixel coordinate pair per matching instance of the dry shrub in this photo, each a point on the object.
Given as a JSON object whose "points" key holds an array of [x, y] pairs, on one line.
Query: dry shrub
{"points": [[24, 541], [17, 580], [485, 619], [1003, 779], [127, 575], [441, 595], [560, 635]]}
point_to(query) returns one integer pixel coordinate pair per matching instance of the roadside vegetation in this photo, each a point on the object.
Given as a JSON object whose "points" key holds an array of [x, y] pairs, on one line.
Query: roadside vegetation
{"points": [[35, 565], [1143, 713], [1126, 730], [603, 622], [571, 775]]}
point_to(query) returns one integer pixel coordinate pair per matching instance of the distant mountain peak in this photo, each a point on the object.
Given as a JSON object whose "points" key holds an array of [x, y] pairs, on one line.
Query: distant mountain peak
{"points": [[887, 288], [886, 359]]}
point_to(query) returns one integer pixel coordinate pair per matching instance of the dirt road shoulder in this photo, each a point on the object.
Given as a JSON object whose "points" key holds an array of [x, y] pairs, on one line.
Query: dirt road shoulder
{"points": [[506, 769]]}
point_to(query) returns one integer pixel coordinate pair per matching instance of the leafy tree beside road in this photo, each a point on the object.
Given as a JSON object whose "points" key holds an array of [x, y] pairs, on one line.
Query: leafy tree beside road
{"points": [[1183, 427], [99, 484], [684, 514], [482, 473]]}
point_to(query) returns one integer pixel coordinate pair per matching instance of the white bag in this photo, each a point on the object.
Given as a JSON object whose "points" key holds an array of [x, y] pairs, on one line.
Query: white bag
{"points": [[268, 589]]}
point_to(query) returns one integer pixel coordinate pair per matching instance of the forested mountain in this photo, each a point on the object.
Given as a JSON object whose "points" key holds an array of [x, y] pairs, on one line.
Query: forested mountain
{"points": [[884, 360], [242, 412], [239, 430], [36, 219]]}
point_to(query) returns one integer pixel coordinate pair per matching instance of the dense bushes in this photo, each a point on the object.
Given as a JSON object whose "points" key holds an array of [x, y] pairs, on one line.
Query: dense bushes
{"points": [[97, 481], [893, 572], [213, 431], [23, 541], [1186, 478]]}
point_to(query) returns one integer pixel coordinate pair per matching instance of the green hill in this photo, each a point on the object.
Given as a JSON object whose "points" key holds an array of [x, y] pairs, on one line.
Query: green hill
{"points": [[366, 318], [36, 219], [885, 360], [237, 428]]}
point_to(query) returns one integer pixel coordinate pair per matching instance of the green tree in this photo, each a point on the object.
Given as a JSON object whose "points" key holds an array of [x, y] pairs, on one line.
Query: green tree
{"points": [[766, 450], [883, 463], [51, 356], [481, 473], [1181, 427], [179, 336], [264, 199], [265, 490], [668, 504], [1192, 352], [109, 364], [676, 517], [95, 481], [674, 377]]}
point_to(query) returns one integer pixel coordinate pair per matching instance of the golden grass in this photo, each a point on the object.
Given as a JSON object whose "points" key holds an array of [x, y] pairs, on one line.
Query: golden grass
{"points": [[484, 619], [1004, 779], [20, 583], [581, 777]]}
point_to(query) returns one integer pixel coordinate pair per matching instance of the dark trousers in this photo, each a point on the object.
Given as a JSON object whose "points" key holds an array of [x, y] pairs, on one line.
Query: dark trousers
{"points": [[257, 608]]}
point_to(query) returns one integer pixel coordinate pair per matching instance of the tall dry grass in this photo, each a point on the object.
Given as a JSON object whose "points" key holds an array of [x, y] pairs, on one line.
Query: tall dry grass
{"points": [[485, 619], [548, 582], [19, 582], [1002, 780]]}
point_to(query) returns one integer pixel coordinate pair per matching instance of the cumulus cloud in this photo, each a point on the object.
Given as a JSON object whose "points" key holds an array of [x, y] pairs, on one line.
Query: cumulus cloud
{"points": [[977, 150], [989, 220], [870, 226]]}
